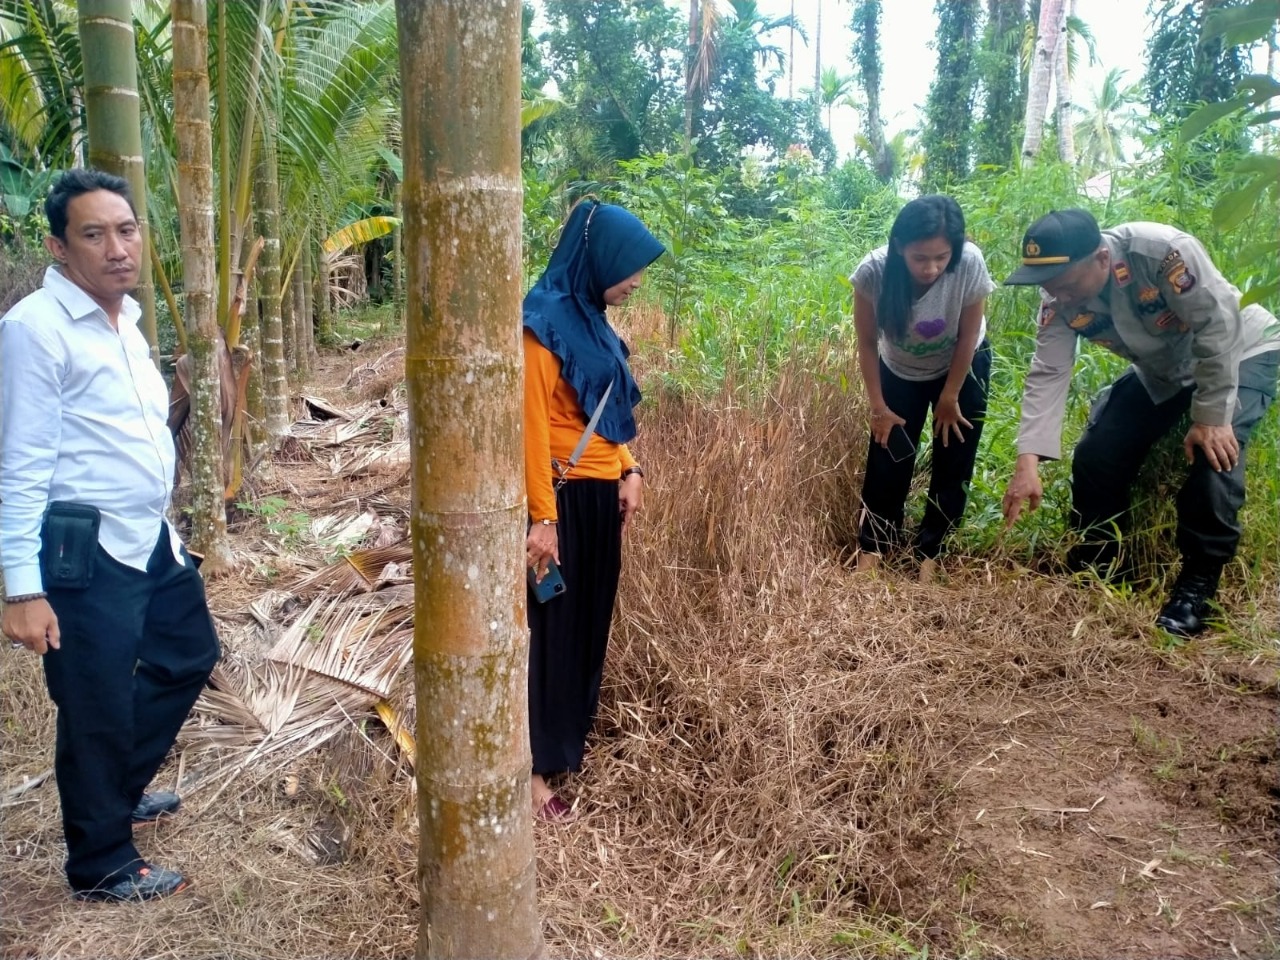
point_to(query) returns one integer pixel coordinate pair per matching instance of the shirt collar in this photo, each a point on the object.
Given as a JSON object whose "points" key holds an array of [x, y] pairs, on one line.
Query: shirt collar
{"points": [[79, 304]]}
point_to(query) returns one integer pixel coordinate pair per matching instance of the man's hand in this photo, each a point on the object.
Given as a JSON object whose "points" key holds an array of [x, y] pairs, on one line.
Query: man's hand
{"points": [[32, 624], [1024, 486], [1219, 444], [630, 498], [542, 544]]}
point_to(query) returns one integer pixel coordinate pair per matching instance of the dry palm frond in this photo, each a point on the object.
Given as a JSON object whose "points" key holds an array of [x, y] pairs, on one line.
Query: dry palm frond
{"points": [[385, 458], [395, 722], [359, 571], [337, 530], [363, 641], [371, 371]]}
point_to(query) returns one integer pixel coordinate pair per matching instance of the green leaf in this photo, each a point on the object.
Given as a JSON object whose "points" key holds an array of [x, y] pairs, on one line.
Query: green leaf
{"points": [[362, 231], [1235, 205], [1263, 88], [1240, 26], [1207, 116], [1260, 163], [1259, 293], [394, 163]]}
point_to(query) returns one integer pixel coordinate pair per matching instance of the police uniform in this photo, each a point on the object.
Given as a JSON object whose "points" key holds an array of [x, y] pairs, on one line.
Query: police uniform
{"points": [[1166, 308]]}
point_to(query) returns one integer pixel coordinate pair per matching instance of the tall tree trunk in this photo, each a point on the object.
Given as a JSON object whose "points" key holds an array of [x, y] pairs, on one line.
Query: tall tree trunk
{"points": [[397, 249], [195, 219], [323, 300], [256, 394], [691, 56], [1062, 85], [462, 197], [866, 55], [307, 316], [226, 267], [1047, 36], [275, 379], [301, 321], [948, 130], [115, 126], [289, 330], [1002, 105], [791, 54], [817, 56]]}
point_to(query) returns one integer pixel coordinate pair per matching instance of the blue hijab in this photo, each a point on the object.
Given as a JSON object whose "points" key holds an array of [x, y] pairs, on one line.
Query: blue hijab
{"points": [[600, 246]]}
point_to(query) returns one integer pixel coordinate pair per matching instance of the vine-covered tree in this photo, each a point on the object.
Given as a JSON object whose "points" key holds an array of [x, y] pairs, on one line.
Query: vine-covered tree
{"points": [[865, 25], [1002, 89], [948, 127], [1184, 66], [618, 64]]}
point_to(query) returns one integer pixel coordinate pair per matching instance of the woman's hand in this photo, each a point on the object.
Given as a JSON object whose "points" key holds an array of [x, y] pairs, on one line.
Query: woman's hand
{"points": [[947, 419], [630, 498], [882, 423], [540, 546]]}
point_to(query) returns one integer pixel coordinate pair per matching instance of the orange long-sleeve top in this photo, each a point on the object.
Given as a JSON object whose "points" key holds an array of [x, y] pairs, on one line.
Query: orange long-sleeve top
{"points": [[553, 425]]}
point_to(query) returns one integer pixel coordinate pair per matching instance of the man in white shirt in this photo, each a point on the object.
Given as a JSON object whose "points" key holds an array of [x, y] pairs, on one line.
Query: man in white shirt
{"points": [[96, 580], [1151, 294]]}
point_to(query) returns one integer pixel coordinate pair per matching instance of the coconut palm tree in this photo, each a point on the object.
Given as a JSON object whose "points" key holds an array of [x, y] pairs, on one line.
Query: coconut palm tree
{"points": [[196, 207], [1101, 127]]}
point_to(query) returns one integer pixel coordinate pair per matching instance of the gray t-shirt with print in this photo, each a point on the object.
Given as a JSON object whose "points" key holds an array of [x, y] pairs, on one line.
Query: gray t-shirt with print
{"points": [[932, 331]]}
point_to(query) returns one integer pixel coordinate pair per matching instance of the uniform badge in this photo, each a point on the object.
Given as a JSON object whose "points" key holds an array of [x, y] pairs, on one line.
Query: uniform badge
{"points": [[1080, 321], [1148, 294], [1165, 319], [1120, 270], [1170, 258], [1180, 278]]}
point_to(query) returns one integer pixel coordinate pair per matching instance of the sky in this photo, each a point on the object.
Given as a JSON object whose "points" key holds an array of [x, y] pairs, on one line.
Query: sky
{"points": [[1119, 29]]}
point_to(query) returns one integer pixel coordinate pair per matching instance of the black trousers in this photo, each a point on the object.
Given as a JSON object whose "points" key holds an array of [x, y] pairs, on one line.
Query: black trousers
{"points": [[136, 650], [1123, 426], [569, 634], [887, 481]]}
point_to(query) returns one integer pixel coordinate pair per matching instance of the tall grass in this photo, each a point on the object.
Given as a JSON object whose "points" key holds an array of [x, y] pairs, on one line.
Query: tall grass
{"points": [[747, 298]]}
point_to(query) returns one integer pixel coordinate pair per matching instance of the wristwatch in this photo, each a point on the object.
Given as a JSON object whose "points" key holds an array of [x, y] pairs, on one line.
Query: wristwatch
{"points": [[634, 468]]}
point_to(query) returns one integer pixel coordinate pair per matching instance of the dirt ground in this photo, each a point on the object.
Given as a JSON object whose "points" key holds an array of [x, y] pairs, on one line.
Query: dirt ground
{"points": [[789, 762]]}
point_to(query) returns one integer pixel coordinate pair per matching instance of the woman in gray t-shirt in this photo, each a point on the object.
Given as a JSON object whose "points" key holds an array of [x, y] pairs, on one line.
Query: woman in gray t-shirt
{"points": [[918, 312]]}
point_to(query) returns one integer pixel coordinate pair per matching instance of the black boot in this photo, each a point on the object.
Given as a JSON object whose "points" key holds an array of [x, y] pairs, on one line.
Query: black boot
{"points": [[1188, 607]]}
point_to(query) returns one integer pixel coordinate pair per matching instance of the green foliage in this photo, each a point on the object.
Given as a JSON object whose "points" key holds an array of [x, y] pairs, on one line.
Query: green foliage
{"points": [[949, 111], [1186, 64], [1004, 98]]}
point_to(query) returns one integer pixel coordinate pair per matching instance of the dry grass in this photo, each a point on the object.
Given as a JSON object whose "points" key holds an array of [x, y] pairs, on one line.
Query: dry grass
{"points": [[784, 752]]}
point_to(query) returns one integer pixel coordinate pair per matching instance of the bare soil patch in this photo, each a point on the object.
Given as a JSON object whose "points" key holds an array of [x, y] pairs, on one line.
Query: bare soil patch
{"points": [[790, 760]]}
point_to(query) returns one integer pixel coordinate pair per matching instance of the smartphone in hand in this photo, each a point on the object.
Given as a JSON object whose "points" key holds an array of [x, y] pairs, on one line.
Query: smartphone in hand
{"points": [[551, 585]]}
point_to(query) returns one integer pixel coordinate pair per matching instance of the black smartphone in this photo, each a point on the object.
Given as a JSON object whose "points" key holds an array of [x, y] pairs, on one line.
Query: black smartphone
{"points": [[551, 585], [900, 446]]}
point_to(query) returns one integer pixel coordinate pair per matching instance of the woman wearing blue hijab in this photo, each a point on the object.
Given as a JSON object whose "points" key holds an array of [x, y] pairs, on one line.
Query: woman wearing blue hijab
{"points": [[578, 397]]}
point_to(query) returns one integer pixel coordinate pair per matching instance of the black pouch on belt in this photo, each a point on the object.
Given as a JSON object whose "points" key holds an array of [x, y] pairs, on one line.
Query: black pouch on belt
{"points": [[69, 545]]}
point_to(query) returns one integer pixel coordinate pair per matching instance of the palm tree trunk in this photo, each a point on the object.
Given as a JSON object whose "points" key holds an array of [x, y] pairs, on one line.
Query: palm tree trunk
{"points": [[817, 54], [275, 379], [691, 54], [195, 218], [791, 54], [476, 866], [1062, 84], [324, 304], [114, 123], [307, 316], [397, 251], [1048, 33], [289, 333]]}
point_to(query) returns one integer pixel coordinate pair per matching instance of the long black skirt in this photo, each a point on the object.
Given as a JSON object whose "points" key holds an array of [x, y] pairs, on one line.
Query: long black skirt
{"points": [[570, 633]]}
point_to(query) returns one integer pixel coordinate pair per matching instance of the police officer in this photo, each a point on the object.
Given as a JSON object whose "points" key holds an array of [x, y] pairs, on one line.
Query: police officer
{"points": [[1151, 294]]}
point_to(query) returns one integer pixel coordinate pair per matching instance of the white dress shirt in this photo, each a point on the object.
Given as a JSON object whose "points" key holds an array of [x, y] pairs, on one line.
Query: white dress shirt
{"points": [[83, 414]]}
